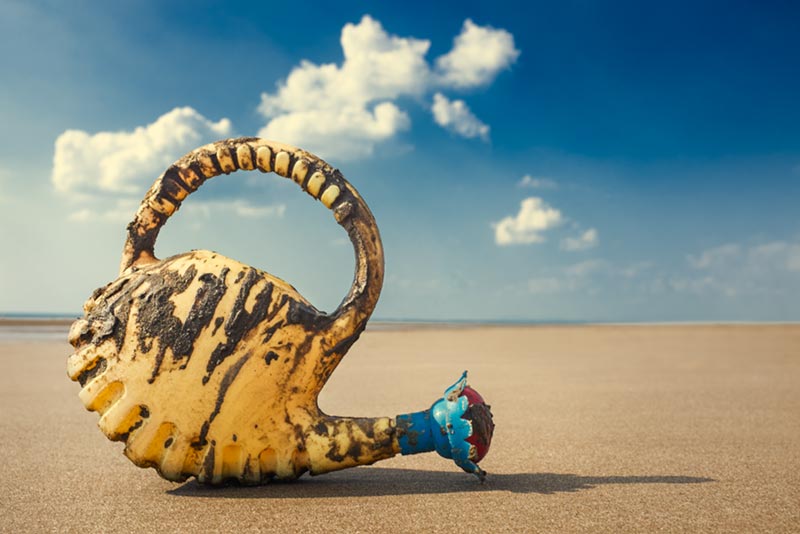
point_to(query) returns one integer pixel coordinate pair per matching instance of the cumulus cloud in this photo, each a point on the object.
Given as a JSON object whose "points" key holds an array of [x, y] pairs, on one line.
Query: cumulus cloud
{"points": [[534, 218], [586, 240], [347, 133], [457, 117], [479, 53], [129, 161], [537, 183], [90, 168], [346, 110], [377, 66]]}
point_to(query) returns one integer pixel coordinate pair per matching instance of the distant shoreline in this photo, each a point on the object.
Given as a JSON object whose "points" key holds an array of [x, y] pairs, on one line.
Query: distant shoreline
{"points": [[32, 322], [8, 322]]}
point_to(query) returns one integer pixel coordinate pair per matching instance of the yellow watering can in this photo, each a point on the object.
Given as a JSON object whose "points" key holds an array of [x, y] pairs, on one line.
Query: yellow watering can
{"points": [[210, 368]]}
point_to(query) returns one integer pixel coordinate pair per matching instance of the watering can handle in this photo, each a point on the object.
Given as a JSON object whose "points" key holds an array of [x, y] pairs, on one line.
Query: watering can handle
{"points": [[312, 174]]}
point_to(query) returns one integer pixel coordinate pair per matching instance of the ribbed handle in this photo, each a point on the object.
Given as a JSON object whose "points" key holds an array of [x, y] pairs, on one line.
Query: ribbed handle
{"points": [[312, 174]]}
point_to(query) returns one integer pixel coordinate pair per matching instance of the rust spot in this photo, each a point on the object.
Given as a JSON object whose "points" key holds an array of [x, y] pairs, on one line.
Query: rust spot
{"points": [[88, 374], [270, 357]]}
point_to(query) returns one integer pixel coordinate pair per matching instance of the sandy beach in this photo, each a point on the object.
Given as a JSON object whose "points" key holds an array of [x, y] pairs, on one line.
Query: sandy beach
{"points": [[599, 429]]}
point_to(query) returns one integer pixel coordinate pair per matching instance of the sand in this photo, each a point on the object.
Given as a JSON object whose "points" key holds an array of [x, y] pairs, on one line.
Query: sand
{"points": [[599, 429]]}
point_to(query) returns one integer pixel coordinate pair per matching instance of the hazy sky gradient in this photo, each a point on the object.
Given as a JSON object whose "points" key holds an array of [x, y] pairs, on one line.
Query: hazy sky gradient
{"points": [[582, 161]]}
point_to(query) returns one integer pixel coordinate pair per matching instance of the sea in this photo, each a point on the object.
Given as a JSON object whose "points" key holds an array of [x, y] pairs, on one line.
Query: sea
{"points": [[35, 326], [55, 326]]}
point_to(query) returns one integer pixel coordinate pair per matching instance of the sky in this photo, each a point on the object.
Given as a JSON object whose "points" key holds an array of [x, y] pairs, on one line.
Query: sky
{"points": [[569, 161]]}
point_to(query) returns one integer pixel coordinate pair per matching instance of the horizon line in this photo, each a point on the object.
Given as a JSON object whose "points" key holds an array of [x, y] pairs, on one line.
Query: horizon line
{"points": [[38, 316]]}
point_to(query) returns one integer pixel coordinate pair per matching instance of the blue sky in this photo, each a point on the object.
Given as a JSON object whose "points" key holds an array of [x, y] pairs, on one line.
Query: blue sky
{"points": [[609, 161]]}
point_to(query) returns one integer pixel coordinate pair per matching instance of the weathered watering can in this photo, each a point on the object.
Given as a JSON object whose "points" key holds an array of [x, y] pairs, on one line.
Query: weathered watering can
{"points": [[210, 368]]}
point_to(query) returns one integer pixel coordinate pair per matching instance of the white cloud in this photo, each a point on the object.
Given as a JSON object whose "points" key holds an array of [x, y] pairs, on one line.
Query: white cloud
{"points": [[547, 285], [479, 53], [242, 208], [636, 269], [346, 110], [700, 285], [129, 161], [585, 268], [537, 183], [122, 211], [125, 164], [377, 66], [575, 277], [348, 133], [457, 117], [714, 256], [533, 219], [779, 255], [586, 240], [734, 269], [526, 227]]}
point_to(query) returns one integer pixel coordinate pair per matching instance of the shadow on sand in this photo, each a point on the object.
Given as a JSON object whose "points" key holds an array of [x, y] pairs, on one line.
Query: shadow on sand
{"points": [[381, 481]]}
